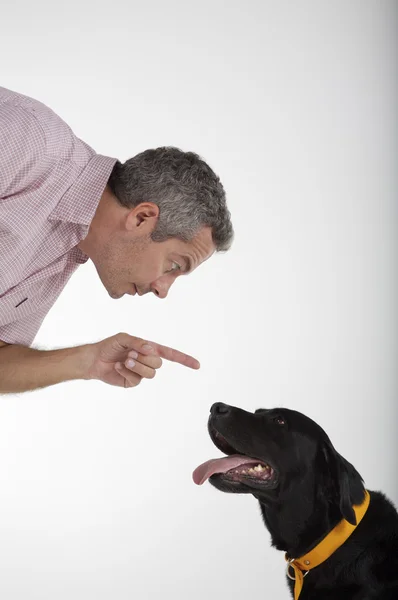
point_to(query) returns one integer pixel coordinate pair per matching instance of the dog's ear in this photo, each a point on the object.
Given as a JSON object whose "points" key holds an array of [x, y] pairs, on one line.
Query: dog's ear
{"points": [[346, 482]]}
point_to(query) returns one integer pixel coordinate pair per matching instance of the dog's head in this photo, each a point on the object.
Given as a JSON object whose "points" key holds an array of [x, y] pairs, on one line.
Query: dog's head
{"points": [[272, 453]]}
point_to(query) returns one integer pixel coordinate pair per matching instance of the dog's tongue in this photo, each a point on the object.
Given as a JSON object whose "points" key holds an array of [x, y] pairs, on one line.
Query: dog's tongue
{"points": [[219, 465]]}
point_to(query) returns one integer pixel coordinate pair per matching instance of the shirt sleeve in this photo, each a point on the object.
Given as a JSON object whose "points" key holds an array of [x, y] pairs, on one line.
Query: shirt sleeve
{"points": [[23, 331], [22, 147]]}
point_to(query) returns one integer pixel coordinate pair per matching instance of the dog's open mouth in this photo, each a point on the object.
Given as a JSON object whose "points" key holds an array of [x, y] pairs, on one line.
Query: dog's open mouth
{"points": [[234, 467]]}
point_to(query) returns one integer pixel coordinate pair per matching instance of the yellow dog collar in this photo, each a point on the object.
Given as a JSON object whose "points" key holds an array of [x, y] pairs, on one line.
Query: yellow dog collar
{"points": [[336, 538]]}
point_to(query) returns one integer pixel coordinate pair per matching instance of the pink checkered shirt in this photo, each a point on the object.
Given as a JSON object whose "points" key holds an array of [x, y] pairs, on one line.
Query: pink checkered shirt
{"points": [[50, 186]]}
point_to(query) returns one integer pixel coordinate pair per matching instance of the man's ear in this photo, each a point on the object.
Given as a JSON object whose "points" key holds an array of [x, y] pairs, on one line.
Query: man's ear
{"points": [[142, 218], [345, 481]]}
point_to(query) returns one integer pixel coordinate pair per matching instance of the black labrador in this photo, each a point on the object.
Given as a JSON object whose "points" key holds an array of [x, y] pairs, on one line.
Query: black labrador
{"points": [[305, 488]]}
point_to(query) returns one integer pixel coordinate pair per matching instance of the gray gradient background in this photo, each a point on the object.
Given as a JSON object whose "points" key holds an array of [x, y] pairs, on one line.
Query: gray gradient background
{"points": [[296, 109]]}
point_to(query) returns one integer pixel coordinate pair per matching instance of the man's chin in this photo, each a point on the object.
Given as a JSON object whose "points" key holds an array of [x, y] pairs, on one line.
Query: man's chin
{"points": [[115, 296]]}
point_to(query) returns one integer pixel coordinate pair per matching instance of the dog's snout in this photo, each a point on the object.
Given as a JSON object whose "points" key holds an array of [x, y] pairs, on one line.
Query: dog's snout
{"points": [[219, 408]]}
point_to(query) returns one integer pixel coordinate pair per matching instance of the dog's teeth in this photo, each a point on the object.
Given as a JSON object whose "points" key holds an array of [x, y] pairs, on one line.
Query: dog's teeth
{"points": [[251, 470]]}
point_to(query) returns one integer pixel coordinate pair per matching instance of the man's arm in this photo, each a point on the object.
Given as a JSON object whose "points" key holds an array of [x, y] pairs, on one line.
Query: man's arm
{"points": [[121, 360], [24, 369]]}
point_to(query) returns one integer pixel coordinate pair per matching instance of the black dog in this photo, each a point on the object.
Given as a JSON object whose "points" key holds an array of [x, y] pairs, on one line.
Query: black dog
{"points": [[305, 488]]}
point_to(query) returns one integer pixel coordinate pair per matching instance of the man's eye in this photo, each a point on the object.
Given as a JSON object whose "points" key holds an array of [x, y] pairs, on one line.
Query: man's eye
{"points": [[174, 267]]}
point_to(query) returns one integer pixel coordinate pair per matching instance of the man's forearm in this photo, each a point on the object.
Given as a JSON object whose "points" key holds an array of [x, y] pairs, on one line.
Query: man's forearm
{"points": [[24, 369]]}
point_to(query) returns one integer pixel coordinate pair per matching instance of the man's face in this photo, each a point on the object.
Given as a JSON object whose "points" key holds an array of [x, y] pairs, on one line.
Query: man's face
{"points": [[132, 263]]}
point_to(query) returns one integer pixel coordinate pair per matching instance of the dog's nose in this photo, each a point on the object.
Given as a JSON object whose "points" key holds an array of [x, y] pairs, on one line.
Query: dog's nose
{"points": [[219, 408]]}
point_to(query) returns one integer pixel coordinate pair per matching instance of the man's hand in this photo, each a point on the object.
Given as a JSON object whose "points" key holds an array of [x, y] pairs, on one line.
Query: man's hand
{"points": [[124, 360], [23, 369]]}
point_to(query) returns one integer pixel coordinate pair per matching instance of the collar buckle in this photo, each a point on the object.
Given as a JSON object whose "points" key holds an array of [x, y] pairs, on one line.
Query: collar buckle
{"points": [[290, 567]]}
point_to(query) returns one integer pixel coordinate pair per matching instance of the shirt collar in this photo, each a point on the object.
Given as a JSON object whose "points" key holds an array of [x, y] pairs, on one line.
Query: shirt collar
{"points": [[79, 203]]}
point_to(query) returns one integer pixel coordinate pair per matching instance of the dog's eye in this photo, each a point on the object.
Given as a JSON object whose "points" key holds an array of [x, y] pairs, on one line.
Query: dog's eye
{"points": [[280, 421]]}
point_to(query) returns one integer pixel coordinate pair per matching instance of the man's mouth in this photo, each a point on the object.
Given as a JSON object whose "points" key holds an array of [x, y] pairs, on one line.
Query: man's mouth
{"points": [[235, 467], [140, 291]]}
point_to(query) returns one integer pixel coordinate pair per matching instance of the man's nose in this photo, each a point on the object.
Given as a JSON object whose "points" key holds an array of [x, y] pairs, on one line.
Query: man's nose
{"points": [[161, 287]]}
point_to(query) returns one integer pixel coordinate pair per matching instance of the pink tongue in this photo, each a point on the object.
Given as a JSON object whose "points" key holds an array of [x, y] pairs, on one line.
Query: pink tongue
{"points": [[219, 465]]}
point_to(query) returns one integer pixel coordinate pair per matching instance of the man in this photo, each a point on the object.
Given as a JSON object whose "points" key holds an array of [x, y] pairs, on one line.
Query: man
{"points": [[143, 223]]}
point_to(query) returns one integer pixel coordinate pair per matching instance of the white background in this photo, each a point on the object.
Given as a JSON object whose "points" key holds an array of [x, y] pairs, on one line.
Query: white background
{"points": [[295, 106]]}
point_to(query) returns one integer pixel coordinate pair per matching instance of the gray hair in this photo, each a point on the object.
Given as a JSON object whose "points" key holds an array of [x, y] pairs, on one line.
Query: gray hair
{"points": [[186, 190]]}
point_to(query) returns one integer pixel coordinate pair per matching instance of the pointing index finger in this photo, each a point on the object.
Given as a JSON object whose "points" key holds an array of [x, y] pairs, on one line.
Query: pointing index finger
{"points": [[174, 355]]}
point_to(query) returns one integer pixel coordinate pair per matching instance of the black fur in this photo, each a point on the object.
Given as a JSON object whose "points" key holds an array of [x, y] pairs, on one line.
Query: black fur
{"points": [[312, 489]]}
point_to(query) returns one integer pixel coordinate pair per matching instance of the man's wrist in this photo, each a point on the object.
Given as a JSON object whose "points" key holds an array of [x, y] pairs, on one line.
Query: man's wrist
{"points": [[80, 359]]}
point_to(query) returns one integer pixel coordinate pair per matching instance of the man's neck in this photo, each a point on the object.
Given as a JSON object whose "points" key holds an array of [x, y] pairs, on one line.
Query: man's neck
{"points": [[105, 218]]}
